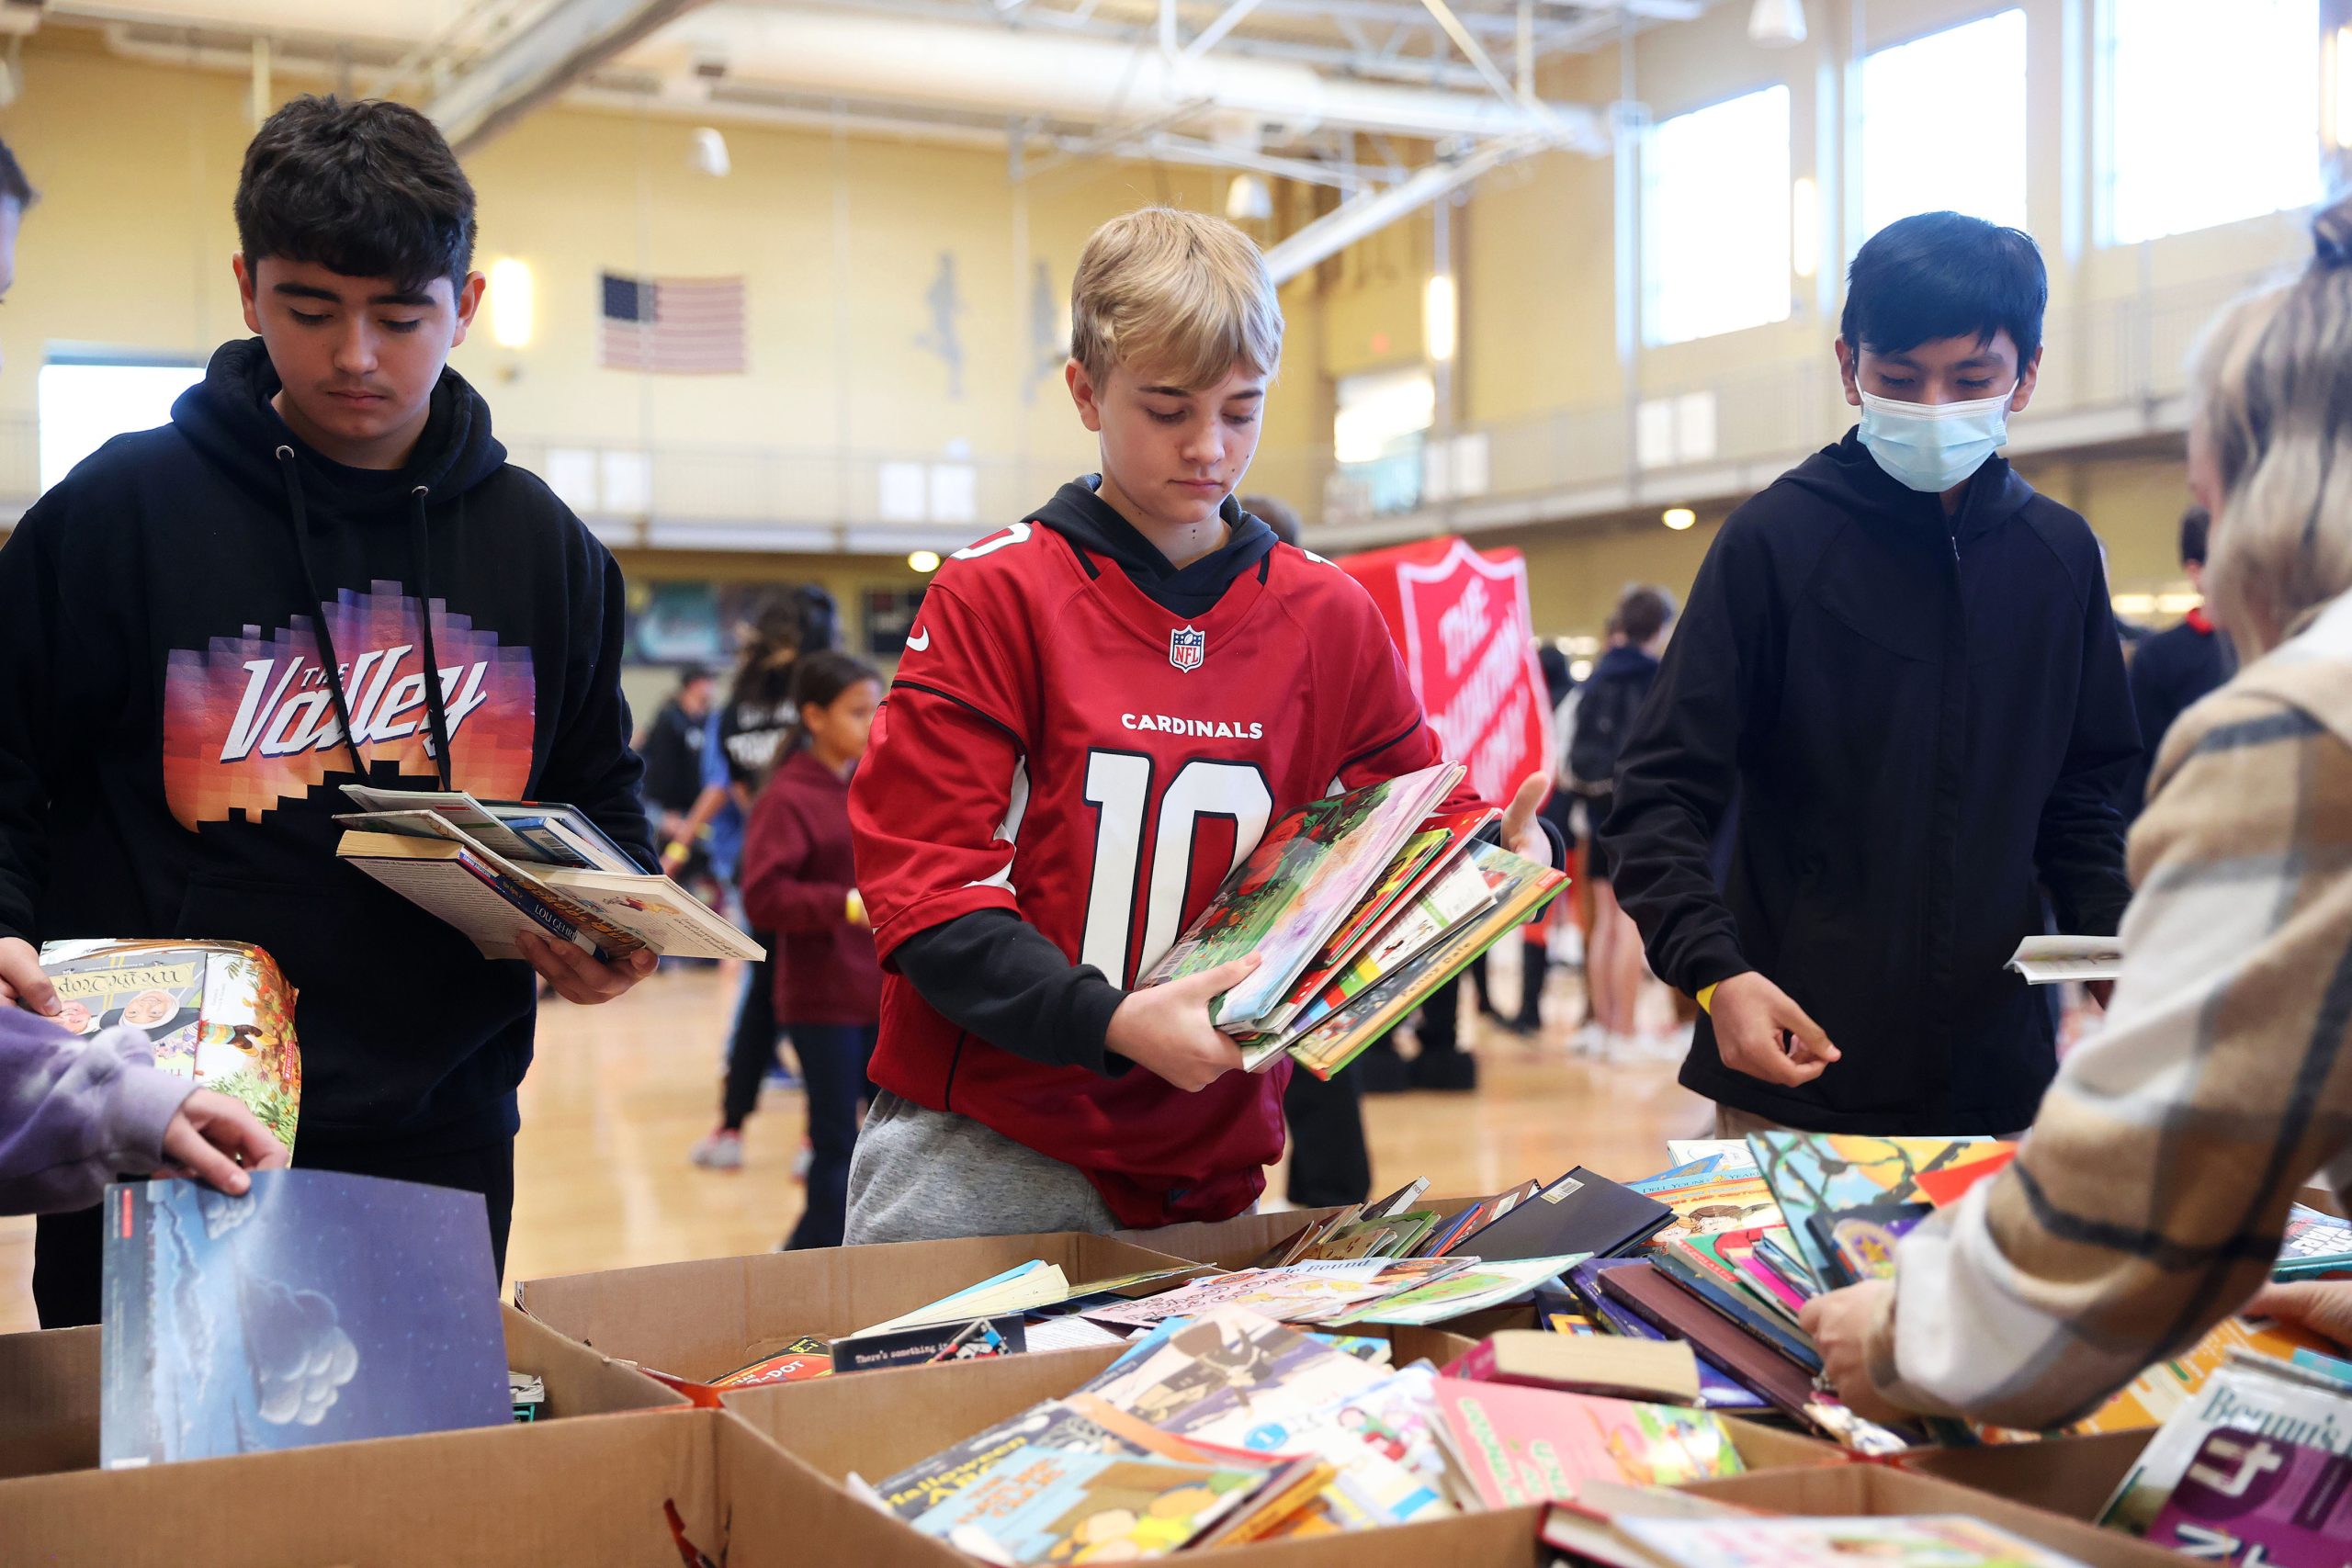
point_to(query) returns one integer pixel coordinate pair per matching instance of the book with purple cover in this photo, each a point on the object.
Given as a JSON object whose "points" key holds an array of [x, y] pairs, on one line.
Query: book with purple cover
{"points": [[2249, 1498]]}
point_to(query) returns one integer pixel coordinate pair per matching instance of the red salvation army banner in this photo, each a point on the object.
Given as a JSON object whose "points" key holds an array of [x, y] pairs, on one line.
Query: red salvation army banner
{"points": [[1461, 617]]}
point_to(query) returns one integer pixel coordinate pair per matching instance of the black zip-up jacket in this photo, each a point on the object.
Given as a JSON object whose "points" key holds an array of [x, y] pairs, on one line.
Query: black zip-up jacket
{"points": [[1926, 723], [176, 715]]}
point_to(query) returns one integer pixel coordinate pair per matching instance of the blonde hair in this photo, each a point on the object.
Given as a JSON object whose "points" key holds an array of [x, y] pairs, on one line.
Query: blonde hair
{"points": [[2271, 384], [1176, 294]]}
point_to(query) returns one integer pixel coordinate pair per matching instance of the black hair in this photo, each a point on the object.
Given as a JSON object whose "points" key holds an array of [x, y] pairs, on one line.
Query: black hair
{"points": [[1942, 275], [14, 186], [804, 621], [817, 681], [366, 189], [2194, 525], [689, 673], [1642, 612]]}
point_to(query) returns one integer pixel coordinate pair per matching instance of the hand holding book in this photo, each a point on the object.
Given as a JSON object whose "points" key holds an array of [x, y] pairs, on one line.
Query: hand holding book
{"points": [[578, 977], [1166, 1028]]}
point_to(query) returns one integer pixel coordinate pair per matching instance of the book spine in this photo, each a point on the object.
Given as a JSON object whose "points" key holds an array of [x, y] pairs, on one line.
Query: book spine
{"points": [[523, 898]]}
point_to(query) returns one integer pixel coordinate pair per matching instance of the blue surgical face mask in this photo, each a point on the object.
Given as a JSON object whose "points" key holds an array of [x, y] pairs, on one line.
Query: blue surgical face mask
{"points": [[1933, 446]]}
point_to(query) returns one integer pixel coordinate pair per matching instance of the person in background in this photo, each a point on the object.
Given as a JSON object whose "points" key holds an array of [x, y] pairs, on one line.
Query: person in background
{"points": [[746, 733], [1331, 1161], [75, 1114], [1612, 700], [799, 882], [2175, 669], [1900, 662], [671, 747], [2151, 1196]]}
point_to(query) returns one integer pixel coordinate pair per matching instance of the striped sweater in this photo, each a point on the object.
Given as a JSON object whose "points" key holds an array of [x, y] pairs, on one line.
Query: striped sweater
{"points": [[2150, 1198]]}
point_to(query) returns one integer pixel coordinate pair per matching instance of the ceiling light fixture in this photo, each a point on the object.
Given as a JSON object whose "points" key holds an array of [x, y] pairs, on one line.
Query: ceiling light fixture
{"points": [[1679, 518], [1776, 24]]}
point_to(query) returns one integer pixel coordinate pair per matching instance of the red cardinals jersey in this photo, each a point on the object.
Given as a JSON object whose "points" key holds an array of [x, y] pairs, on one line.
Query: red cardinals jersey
{"points": [[1059, 745]]}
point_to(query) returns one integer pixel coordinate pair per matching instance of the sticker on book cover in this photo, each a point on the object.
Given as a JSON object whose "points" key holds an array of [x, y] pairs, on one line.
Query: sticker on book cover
{"points": [[1565, 1188]]}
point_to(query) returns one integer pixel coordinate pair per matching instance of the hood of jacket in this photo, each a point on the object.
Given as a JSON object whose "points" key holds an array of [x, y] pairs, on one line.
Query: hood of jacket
{"points": [[1080, 514], [1850, 478]]}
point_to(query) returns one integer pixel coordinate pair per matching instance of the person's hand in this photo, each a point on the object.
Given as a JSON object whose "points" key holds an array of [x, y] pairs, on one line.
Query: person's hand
{"points": [[1839, 1323], [1166, 1028], [215, 1140], [21, 982], [1760, 1032], [578, 977], [2323, 1306], [1520, 834]]}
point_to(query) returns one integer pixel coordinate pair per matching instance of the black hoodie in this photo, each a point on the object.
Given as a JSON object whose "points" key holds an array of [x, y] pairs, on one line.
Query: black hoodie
{"points": [[1927, 724], [993, 972], [171, 750]]}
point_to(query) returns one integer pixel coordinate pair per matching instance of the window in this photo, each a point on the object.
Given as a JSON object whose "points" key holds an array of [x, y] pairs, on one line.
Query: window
{"points": [[1382, 419], [83, 404], [1715, 218], [1943, 125], [2212, 115]]}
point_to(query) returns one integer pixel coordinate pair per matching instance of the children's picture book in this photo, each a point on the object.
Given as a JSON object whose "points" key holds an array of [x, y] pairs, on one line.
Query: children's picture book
{"points": [[2248, 1498], [1032, 1284], [1531, 1445], [1039, 1505], [931, 1343], [316, 1308], [1727, 1155], [2252, 1393], [1082, 1422], [2150, 1399], [1520, 888], [1317, 1292], [1733, 1203], [544, 833], [1230, 1378], [2316, 1246], [1474, 1289], [1944, 1187], [1840, 1170], [1943, 1540], [446, 861], [217, 1013], [807, 1356], [1859, 1243], [1287, 897], [1456, 897]]}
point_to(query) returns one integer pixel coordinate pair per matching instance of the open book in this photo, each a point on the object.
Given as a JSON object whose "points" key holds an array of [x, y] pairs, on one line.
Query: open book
{"points": [[494, 876]]}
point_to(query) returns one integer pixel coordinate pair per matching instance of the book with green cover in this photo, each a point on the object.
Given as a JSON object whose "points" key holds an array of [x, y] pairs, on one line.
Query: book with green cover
{"points": [[1309, 871]]}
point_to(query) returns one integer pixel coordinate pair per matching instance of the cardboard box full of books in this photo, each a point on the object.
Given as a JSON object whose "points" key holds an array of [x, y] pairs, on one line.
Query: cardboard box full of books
{"points": [[2073, 1476], [1237, 1242], [702, 1319], [619, 1494], [1855, 1490], [877, 1424], [51, 1384]]}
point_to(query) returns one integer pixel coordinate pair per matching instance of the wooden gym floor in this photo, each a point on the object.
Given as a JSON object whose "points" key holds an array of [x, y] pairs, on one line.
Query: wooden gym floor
{"points": [[619, 1093]]}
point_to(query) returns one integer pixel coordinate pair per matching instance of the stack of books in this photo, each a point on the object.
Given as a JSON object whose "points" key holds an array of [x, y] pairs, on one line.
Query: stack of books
{"points": [[1359, 905]]}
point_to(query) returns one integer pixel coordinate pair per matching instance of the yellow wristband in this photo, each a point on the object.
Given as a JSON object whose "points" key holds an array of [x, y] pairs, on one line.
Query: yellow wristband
{"points": [[1707, 998], [855, 908]]}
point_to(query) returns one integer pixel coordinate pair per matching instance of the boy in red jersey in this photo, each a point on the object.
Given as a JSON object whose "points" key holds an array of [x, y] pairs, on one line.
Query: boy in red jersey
{"points": [[1100, 710]]}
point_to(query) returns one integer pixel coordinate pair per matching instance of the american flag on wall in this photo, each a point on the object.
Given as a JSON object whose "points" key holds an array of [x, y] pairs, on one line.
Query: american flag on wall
{"points": [[678, 326]]}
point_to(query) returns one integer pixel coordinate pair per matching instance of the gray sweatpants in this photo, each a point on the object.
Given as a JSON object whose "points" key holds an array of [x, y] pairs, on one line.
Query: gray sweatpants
{"points": [[921, 1175]]}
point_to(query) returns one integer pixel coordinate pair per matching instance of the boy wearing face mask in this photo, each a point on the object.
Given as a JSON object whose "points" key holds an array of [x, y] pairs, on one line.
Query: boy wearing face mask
{"points": [[1900, 658]]}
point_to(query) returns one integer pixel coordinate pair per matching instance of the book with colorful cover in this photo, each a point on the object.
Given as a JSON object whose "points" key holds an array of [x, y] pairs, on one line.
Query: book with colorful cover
{"points": [[1316, 1292], [218, 1013], [1947, 1186], [1944, 1541], [1776, 1251], [1309, 871], [1733, 1203], [2316, 1246], [1474, 1289], [1521, 888], [2153, 1398], [2252, 1394], [1860, 1241], [1231, 1379], [1039, 1505], [1520, 1445], [806, 1356], [1080, 1423], [316, 1307], [1843, 1170], [1426, 854], [2249, 1498], [1393, 1237], [931, 1343]]}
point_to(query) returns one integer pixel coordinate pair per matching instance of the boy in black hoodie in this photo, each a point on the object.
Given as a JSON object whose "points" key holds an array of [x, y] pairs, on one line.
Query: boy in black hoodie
{"points": [[1902, 660], [210, 627]]}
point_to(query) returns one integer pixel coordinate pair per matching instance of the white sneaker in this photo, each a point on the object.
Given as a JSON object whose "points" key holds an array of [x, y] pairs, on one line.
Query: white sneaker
{"points": [[1590, 1039], [721, 1150]]}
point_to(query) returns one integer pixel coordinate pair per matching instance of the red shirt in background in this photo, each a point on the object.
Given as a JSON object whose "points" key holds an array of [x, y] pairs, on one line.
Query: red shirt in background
{"points": [[797, 874]]}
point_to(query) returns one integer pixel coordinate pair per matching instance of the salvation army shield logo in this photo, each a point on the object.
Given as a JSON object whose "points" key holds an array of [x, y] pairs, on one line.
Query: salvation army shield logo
{"points": [[1186, 647]]}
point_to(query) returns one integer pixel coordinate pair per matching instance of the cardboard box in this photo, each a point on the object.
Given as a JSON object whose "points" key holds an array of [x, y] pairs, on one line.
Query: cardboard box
{"points": [[2073, 1476], [583, 1494], [879, 1423], [1853, 1489], [702, 1319], [50, 1388]]}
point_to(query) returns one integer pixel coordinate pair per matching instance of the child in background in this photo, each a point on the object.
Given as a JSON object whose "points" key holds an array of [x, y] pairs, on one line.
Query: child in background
{"points": [[800, 883]]}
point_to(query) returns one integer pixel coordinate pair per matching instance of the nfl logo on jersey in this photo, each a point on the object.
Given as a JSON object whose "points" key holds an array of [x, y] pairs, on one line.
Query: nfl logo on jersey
{"points": [[1187, 647]]}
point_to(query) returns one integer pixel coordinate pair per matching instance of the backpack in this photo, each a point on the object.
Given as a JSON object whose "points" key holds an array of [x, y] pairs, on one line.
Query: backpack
{"points": [[1605, 714]]}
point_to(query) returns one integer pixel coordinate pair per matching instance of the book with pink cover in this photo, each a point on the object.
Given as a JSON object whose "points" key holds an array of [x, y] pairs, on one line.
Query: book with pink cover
{"points": [[2249, 1498], [1530, 1444]]}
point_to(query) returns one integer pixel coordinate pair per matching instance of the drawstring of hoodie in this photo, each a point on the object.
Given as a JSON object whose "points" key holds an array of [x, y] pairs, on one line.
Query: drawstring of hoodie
{"points": [[323, 636]]}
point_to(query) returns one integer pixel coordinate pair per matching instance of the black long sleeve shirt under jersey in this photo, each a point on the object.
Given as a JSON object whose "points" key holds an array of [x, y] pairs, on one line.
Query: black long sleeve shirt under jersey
{"points": [[991, 972]]}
